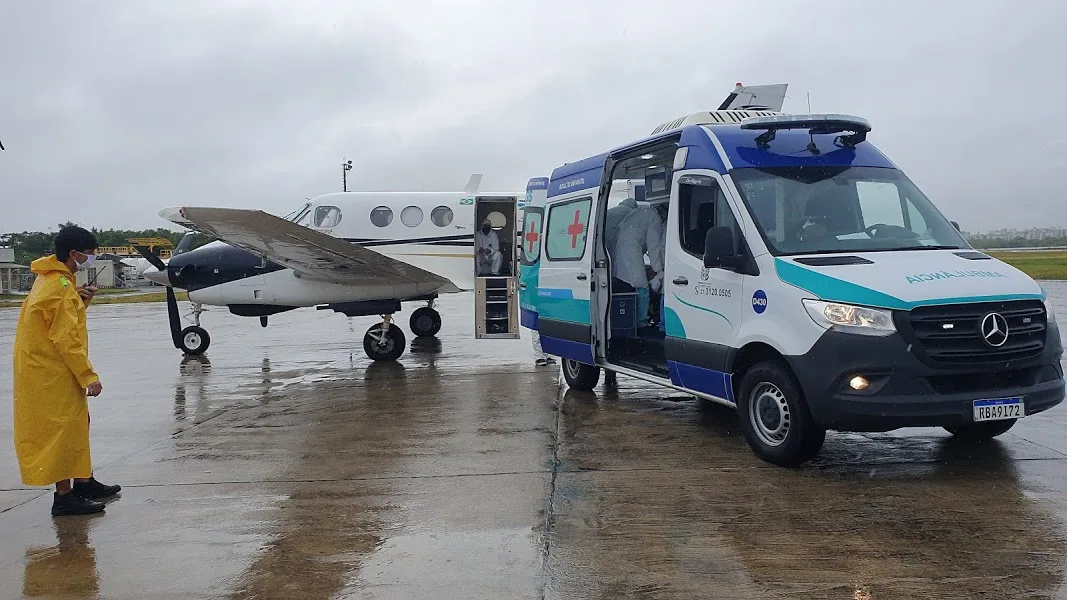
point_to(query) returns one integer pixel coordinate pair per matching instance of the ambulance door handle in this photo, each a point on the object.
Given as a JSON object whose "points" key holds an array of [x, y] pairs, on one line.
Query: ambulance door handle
{"points": [[582, 276], [681, 281], [522, 286]]}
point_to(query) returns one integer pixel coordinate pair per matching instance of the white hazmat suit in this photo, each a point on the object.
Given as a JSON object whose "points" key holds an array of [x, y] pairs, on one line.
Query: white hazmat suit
{"points": [[614, 218], [487, 245], [640, 232]]}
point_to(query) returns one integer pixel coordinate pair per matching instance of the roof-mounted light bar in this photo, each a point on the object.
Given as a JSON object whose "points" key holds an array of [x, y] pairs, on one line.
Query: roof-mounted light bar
{"points": [[815, 124]]}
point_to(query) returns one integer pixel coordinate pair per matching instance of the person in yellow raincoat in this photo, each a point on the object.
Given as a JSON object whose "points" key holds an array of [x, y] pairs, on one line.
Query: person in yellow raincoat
{"points": [[53, 376]]}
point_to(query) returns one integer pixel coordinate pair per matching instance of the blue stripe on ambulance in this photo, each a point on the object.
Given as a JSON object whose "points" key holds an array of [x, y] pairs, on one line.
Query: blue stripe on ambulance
{"points": [[708, 381]]}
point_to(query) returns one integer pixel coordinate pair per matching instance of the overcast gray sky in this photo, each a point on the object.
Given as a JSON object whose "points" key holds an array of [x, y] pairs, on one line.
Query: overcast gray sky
{"points": [[110, 111]]}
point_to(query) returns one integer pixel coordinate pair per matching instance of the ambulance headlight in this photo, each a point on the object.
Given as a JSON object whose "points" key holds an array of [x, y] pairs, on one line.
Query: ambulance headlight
{"points": [[1050, 314], [850, 319]]}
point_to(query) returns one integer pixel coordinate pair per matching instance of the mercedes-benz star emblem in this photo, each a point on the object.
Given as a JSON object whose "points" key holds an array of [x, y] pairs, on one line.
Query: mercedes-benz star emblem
{"points": [[995, 329]]}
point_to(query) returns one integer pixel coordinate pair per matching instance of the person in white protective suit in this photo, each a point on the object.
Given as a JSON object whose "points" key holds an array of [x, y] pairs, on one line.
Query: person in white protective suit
{"points": [[542, 358], [640, 232], [487, 247], [613, 218], [662, 210]]}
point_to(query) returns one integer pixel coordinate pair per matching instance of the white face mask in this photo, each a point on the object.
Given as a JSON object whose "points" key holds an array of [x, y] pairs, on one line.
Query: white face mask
{"points": [[89, 260]]}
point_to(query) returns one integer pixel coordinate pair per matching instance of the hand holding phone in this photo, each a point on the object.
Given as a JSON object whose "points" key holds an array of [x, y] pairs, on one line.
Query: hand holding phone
{"points": [[87, 292]]}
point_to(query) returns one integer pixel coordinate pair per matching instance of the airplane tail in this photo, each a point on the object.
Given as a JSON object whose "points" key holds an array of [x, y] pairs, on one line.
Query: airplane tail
{"points": [[183, 245], [756, 97], [473, 184]]}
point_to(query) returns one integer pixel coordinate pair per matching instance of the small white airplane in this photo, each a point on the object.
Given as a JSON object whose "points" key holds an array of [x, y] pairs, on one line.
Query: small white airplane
{"points": [[357, 253]]}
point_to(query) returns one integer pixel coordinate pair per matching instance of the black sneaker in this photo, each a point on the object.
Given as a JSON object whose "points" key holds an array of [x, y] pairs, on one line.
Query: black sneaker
{"points": [[94, 490], [64, 505]]}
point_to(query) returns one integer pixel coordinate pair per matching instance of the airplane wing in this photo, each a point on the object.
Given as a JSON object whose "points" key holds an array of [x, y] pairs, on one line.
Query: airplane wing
{"points": [[312, 254], [763, 97]]}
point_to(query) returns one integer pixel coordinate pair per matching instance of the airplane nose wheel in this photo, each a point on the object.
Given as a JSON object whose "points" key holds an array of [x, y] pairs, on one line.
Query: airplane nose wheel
{"points": [[384, 342], [194, 340], [425, 322]]}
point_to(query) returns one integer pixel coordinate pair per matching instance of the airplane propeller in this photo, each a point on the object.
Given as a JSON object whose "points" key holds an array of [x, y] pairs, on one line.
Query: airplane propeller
{"points": [[172, 300], [154, 260]]}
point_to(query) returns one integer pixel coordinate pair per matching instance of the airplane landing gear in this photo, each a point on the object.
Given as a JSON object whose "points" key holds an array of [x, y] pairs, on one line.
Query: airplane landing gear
{"points": [[194, 340], [384, 342], [425, 321]]}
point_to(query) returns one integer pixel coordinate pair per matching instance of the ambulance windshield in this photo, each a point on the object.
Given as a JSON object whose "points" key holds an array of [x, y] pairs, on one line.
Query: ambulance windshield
{"points": [[813, 210]]}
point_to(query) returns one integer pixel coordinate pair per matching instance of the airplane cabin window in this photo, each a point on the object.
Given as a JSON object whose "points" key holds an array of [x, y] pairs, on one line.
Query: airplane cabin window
{"points": [[327, 216], [442, 216], [381, 216], [411, 216]]}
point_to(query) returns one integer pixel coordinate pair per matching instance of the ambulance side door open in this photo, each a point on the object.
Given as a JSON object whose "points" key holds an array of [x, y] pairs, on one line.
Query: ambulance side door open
{"points": [[564, 278], [703, 304], [530, 257]]}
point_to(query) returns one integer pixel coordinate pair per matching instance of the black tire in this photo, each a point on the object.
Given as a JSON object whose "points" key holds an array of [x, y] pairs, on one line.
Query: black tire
{"points": [[194, 340], [976, 432], [580, 376], [774, 416], [425, 322], [391, 350]]}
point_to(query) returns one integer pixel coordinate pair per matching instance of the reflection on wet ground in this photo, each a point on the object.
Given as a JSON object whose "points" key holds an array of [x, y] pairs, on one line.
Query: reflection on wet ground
{"points": [[683, 510], [283, 465]]}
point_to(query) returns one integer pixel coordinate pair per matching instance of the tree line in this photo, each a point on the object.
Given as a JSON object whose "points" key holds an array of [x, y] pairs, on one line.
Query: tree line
{"points": [[31, 245], [984, 242]]}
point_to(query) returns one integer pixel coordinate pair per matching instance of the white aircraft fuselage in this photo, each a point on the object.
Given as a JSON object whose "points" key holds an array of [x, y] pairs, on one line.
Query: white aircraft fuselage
{"points": [[433, 231]]}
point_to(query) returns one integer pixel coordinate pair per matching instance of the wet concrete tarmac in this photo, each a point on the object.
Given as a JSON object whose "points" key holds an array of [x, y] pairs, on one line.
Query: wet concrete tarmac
{"points": [[283, 465]]}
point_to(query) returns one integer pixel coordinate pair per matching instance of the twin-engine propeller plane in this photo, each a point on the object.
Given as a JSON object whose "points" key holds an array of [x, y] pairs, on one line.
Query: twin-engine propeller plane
{"points": [[357, 253]]}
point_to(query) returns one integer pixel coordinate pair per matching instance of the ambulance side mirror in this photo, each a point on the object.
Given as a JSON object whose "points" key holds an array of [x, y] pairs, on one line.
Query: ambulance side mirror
{"points": [[955, 224], [720, 251]]}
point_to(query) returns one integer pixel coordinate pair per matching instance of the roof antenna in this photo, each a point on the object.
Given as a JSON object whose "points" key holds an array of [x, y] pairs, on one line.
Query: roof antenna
{"points": [[811, 143]]}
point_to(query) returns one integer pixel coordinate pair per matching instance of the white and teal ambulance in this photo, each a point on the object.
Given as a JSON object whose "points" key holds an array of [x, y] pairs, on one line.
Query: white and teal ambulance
{"points": [[808, 283]]}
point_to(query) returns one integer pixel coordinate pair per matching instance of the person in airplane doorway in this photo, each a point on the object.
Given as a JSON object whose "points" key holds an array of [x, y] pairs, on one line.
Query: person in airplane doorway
{"points": [[53, 377], [487, 244]]}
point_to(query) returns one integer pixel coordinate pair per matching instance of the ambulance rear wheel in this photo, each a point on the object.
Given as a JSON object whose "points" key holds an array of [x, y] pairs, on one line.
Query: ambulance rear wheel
{"points": [[194, 340], [580, 376], [774, 417], [387, 348], [425, 322]]}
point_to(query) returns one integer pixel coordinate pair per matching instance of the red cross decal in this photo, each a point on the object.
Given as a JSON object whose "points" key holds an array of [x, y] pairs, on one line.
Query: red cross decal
{"points": [[576, 228], [531, 236]]}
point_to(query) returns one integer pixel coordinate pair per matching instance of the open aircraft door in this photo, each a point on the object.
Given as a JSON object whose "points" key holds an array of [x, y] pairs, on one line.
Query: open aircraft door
{"points": [[496, 303]]}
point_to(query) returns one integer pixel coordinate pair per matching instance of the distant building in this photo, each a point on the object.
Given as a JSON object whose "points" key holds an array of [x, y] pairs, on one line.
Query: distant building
{"points": [[107, 272], [11, 273]]}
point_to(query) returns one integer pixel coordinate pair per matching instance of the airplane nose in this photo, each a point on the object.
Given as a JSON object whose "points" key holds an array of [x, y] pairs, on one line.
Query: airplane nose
{"points": [[156, 276]]}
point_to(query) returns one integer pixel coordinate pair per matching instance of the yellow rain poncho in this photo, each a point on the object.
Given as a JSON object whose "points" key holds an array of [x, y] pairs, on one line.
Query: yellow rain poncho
{"points": [[52, 372]]}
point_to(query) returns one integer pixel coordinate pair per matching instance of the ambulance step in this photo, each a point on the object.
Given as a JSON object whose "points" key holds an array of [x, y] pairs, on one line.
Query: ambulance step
{"points": [[657, 370]]}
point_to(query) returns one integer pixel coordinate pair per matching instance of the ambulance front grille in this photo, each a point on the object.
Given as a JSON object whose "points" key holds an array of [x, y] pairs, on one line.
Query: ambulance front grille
{"points": [[951, 335]]}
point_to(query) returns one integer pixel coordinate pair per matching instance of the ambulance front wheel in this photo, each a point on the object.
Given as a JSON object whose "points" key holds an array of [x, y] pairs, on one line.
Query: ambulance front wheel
{"points": [[387, 347], [774, 417], [425, 322], [580, 376], [194, 340]]}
